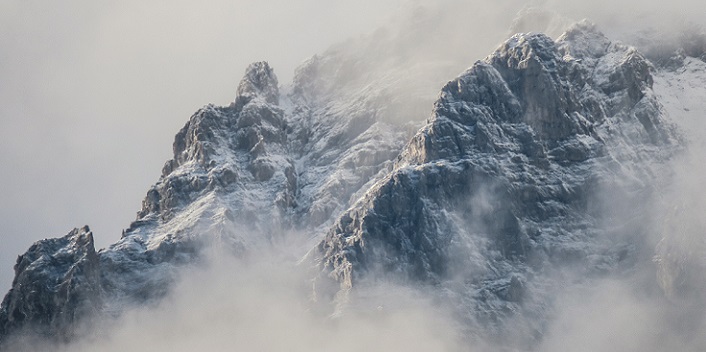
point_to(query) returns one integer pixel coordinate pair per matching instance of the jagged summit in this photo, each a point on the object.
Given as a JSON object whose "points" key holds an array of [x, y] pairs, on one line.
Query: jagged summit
{"points": [[559, 90], [584, 41], [507, 180], [230, 182], [501, 188], [259, 81], [55, 285]]}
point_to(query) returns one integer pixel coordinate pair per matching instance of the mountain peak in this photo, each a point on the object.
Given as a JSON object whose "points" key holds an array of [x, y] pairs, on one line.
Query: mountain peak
{"points": [[63, 271], [584, 40], [259, 81], [513, 161], [499, 192]]}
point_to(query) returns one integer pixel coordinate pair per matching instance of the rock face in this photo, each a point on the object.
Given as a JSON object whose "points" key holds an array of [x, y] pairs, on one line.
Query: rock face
{"points": [[56, 284], [229, 167], [526, 157], [242, 177], [513, 179]]}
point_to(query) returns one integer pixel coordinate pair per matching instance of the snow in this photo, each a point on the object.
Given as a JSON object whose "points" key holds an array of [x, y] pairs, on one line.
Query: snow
{"points": [[470, 192], [681, 91], [326, 151]]}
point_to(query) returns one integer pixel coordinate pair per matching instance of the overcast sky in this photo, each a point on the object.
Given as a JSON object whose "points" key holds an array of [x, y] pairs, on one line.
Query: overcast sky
{"points": [[92, 93]]}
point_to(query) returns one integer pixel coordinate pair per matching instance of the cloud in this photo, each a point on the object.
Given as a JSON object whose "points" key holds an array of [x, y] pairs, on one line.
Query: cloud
{"points": [[265, 305], [93, 92]]}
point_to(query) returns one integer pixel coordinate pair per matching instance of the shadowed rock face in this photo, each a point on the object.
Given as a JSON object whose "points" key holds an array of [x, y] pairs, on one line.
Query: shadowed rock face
{"points": [[259, 82], [229, 167], [56, 284], [502, 184], [220, 151], [241, 176], [508, 180]]}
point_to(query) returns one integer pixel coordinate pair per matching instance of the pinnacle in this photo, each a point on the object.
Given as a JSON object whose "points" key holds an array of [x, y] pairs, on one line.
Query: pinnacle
{"points": [[259, 81]]}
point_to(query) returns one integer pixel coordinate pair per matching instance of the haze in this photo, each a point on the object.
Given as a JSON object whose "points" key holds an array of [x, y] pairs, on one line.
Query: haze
{"points": [[93, 92]]}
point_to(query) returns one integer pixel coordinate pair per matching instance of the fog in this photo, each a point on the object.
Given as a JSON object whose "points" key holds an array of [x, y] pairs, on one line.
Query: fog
{"points": [[628, 312], [262, 305], [94, 91]]}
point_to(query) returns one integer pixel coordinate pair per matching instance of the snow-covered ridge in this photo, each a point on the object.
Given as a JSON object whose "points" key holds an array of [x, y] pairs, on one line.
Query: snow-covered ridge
{"points": [[519, 174], [56, 281], [242, 177], [503, 183]]}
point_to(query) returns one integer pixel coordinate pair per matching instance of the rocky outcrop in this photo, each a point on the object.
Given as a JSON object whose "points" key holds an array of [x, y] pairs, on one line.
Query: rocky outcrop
{"points": [[241, 177], [527, 157], [500, 190], [56, 284], [230, 181], [229, 166]]}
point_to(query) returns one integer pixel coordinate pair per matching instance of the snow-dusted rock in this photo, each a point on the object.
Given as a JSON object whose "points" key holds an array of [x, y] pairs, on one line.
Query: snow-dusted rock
{"points": [[514, 178], [56, 285], [519, 173]]}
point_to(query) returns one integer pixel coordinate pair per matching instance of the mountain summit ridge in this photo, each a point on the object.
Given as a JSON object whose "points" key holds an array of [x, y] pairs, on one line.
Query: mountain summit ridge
{"points": [[513, 177], [504, 184]]}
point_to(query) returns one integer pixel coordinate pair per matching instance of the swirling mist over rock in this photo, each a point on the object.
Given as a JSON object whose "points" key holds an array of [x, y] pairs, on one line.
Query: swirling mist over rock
{"points": [[370, 203], [521, 172]]}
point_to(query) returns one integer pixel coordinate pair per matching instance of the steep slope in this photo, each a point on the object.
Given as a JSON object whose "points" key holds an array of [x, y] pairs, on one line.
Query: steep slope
{"points": [[536, 162], [524, 172], [230, 181], [229, 168], [56, 284], [243, 177], [271, 160]]}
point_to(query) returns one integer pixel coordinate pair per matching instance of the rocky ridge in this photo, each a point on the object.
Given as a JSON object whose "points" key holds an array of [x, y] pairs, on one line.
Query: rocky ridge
{"points": [[501, 187], [519, 174], [243, 177], [56, 284]]}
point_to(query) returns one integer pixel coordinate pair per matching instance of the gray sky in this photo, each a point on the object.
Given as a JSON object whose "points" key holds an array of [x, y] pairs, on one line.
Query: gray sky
{"points": [[94, 91]]}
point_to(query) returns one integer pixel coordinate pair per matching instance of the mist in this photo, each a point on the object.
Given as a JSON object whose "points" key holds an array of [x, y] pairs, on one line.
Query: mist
{"points": [[628, 311], [94, 91], [263, 304]]}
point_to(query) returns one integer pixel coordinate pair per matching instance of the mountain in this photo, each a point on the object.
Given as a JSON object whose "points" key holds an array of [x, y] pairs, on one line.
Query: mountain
{"points": [[539, 161], [519, 174]]}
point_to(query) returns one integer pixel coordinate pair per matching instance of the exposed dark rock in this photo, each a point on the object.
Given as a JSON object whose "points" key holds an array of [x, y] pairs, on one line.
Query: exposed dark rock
{"points": [[57, 283], [503, 182], [259, 82]]}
